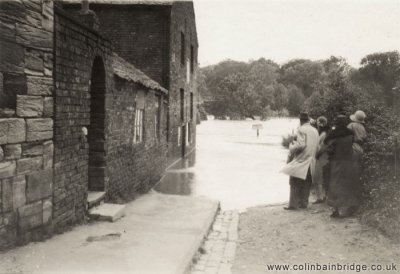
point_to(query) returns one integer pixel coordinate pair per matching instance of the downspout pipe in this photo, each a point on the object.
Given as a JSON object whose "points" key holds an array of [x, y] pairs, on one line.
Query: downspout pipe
{"points": [[84, 7]]}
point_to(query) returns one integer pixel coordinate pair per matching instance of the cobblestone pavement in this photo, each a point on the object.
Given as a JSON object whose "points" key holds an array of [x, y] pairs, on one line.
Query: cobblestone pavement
{"points": [[218, 251]]}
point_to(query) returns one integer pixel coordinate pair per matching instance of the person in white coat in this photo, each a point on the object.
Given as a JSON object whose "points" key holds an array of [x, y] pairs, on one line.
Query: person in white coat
{"points": [[302, 163]]}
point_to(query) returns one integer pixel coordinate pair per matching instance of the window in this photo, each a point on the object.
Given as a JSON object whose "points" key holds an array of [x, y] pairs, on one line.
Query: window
{"points": [[166, 110], [183, 49], [187, 132], [182, 95], [191, 59], [190, 139], [157, 118], [179, 136], [191, 106], [188, 71], [139, 126]]}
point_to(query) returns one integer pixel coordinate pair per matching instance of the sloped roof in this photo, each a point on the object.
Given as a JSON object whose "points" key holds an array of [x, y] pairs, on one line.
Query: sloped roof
{"points": [[125, 2], [127, 71]]}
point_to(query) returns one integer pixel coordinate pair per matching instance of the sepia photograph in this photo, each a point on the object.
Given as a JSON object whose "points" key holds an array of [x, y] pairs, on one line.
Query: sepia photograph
{"points": [[199, 136]]}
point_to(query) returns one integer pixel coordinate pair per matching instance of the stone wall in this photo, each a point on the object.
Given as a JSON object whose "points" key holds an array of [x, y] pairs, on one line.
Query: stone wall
{"points": [[26, 120]]}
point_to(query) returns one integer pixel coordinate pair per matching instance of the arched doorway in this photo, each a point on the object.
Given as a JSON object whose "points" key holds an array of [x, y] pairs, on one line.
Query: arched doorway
{"points": [[96, 130]]}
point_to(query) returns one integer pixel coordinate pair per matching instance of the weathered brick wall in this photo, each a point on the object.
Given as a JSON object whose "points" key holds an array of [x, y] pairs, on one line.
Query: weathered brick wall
{"points": [[182, 22], [26, 120], [133, 167], [76, 48], [128, 167], [151, 40], [139, 34]]}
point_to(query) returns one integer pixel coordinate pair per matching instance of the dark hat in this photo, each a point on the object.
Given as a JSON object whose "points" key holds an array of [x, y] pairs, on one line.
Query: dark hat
{"points": [[322, 121], [341, 120], [304, 116]]}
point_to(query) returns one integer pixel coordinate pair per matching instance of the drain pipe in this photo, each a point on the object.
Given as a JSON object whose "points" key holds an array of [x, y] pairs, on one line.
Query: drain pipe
{"points": [[84, 7], [88, 16]]}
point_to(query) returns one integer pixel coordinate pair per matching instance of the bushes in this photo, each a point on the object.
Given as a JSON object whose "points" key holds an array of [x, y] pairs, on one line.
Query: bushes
{"points": [[381, 185]]}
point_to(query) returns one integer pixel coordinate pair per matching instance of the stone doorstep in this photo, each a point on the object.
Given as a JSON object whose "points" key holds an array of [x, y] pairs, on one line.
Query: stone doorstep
{"points": [[94, 198], [107, 212]]}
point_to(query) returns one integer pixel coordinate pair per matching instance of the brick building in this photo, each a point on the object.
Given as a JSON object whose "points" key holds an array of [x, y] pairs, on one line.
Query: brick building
{"points": [[159, 38], [80, 114]]}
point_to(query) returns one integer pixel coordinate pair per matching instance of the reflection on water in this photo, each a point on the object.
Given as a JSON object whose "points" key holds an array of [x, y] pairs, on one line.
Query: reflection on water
{"points": [[176, 183], [179, 178], [257, 144], [231, 164]]}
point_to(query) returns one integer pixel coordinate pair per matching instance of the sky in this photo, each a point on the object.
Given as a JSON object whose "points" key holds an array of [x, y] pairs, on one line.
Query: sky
{"points": [[282, 30]]}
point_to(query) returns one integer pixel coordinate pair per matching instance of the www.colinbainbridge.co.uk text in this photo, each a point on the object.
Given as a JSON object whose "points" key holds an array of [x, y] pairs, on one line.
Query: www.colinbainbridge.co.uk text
{"points": [[354, 267]]}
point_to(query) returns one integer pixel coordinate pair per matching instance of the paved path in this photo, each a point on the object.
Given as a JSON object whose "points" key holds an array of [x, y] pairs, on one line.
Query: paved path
{"points": [[159, 234], [218, 252]]}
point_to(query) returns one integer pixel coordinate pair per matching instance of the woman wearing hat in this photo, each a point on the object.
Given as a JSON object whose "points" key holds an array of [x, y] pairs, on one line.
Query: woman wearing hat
{"points": [[360, 134], [358, 129], [319, 178], [344, 192]]}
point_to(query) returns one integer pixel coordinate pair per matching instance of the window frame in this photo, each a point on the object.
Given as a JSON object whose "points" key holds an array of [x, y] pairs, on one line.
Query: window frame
{"points": [[183, 49], [192, 59], [157, 116], [191, 106], [182, 104], [138, 128]]}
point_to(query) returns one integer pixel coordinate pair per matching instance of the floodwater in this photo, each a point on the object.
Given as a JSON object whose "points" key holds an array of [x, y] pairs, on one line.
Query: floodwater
{"points": [[231, 164]]}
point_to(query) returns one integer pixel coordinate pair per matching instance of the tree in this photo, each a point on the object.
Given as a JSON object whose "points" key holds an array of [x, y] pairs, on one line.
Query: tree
{"points": [[305, 74], [295, 100], [280, 97], [238, 89], [336, 73], [381, 69], [264, 71]]}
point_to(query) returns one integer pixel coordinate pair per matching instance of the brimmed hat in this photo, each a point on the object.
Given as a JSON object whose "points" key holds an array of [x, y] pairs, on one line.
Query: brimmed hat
{"points": [[359, 116]]}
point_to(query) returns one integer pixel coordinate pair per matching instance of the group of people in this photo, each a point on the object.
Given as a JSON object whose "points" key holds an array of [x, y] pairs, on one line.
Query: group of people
{"points": [[329, 159]]}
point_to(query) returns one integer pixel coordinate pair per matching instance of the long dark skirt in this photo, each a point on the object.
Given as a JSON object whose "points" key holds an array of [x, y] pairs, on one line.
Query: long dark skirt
{"points": [[344, 189], [326, 170]]}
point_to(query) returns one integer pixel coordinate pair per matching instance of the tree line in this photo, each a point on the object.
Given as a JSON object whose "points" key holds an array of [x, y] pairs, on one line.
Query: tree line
{"points": [[264, 88]]}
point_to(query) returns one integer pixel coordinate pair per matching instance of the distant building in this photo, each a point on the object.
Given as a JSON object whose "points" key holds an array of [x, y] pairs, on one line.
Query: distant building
{"points": [[90, 103]]}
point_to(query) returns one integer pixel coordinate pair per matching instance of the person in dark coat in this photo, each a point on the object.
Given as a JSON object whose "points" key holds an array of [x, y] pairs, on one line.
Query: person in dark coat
{"points": [[344, 191]]}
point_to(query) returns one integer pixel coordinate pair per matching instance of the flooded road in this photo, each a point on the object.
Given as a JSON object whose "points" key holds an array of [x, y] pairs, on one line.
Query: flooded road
{"points": [[231, 164]]}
